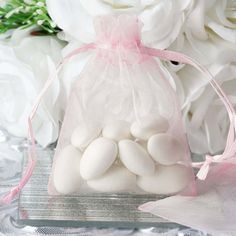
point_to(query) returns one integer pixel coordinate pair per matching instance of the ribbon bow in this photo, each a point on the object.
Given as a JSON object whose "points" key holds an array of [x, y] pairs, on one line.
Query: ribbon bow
{"points": [[228, 154], [205, 166]]}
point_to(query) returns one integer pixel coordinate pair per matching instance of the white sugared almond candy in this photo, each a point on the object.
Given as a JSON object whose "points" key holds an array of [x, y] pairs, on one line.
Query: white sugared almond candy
{"points": [[147, 127], [165, 149], [83, 135], [66, 175], [166, 180], [116, 179], [98, 158], [117, 130], [135, 158]]}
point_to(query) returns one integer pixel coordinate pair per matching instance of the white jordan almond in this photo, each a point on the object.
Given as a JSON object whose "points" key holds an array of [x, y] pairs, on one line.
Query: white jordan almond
{"points": [[135, 158], [166, 180], [97, 158], [66, 175], [117, 130], [116, 179], [165, 149], [83, 135], [147, 127]]}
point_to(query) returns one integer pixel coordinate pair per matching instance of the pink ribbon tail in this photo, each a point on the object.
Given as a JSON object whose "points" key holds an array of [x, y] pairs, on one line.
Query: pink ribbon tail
{"points": [[229, 152], [11, 195], [203, 172]]}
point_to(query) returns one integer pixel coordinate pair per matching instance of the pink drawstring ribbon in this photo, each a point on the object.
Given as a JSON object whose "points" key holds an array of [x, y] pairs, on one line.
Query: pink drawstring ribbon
{"points": [[230, 149]]}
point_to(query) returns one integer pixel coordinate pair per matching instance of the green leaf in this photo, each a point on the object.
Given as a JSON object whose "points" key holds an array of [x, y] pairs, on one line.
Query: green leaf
{"points": [[23, 14]]}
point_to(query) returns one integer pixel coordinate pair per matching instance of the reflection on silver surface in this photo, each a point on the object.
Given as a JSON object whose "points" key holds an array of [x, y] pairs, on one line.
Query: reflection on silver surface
{"points": [[37, 206], [9, 227]]}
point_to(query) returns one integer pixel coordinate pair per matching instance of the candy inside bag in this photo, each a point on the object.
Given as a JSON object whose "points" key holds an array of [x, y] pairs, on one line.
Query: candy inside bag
{"points": [[122, 130]]}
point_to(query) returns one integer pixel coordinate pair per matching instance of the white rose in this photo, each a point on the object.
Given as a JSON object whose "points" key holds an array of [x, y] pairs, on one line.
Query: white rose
{"points": [[216, 52], [25, 64], [162, 19], [216, 15], [205, 116], [209, 32]]}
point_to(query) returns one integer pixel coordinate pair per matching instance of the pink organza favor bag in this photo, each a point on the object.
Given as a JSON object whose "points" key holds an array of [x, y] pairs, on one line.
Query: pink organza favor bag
{"points": [[123, 130], [120, 110]]}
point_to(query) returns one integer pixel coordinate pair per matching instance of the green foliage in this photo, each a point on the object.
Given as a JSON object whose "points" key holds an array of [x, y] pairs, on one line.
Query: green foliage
{"points": [[25, 13]]}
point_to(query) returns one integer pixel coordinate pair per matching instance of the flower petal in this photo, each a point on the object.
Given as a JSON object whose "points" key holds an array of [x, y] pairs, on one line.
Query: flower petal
{"points": [[70, 16]]}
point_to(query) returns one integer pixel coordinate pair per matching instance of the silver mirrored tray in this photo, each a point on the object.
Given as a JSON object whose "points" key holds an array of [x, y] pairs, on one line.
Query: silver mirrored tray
{"points": [[37, 208]]}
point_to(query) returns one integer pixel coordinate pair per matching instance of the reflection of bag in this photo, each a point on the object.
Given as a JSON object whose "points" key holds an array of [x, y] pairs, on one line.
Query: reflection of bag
{"points": [[122, 130]]}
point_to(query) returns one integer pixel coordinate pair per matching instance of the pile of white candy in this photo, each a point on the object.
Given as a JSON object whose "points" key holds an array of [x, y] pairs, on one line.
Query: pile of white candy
{"points": [[122, 157]]}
